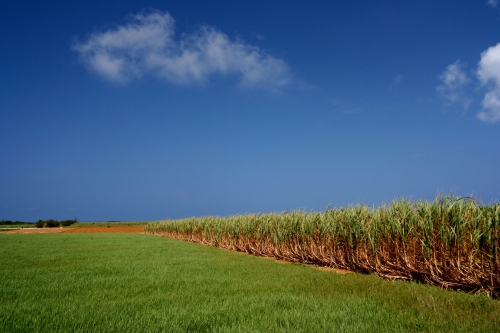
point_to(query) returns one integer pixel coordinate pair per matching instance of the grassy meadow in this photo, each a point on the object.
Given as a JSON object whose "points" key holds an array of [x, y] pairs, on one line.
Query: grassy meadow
{"points": [[125, 282]]}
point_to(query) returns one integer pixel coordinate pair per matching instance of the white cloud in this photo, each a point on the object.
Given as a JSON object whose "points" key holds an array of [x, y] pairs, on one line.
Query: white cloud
{"points": [[489, 66], [453, 80], [489, 74], [146, 45], [493, 3]]}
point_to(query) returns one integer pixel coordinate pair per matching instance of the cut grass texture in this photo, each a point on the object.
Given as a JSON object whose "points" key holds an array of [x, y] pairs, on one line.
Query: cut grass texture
{"points": [[451, 242], [137, 283]]}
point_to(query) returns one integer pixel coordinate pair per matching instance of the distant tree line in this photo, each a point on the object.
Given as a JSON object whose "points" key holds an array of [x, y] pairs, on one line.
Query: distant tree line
{"points": [[9, 222], [54, 224]]}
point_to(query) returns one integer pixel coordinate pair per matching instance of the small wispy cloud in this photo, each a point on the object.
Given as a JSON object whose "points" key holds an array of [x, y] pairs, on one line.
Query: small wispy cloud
{"points": [[396, 81], [493, 3], [489, 74], [147, 45], [258, 36], [345, 108], [453, 80]]}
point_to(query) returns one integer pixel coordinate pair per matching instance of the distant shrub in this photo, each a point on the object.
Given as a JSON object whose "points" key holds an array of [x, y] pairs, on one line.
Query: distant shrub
{"points": [[47, 223], [67, 223], [40, 224], [54, 224]]}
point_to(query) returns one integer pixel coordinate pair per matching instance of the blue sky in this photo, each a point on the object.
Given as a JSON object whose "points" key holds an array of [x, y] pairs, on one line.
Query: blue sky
{"points": [[146, 110]]}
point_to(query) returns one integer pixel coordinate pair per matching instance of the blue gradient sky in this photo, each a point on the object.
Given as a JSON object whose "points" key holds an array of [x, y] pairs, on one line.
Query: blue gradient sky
{"points": [[146, 110]]}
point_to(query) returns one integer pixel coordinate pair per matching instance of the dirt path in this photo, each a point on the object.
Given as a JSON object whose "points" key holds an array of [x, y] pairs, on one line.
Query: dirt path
{"points": [[72, 230]]}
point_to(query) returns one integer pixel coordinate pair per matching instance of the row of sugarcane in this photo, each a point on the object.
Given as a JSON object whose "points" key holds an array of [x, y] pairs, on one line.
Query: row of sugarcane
{"points": [[451, 242]]}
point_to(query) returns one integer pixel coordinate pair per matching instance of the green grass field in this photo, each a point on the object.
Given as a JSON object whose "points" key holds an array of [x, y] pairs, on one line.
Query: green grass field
{"points": [[140, 283]]}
